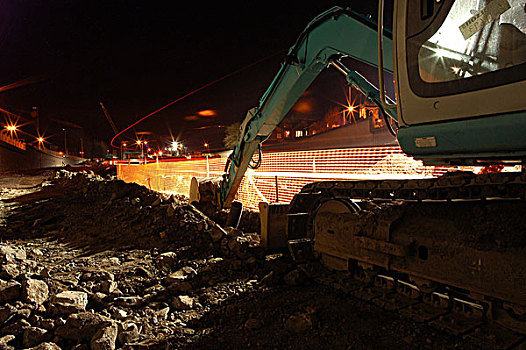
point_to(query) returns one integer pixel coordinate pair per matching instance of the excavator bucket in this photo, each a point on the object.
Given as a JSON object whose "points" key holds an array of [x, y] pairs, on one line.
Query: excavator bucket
{"points": [[205, 193]]}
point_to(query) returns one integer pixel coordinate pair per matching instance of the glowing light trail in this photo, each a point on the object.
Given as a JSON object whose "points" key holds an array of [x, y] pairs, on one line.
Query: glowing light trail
{"points": [[192, 93], [293, 170]]}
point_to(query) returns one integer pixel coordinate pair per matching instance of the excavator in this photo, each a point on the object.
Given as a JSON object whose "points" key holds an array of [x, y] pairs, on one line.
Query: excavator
{"points": [[459, 70]]}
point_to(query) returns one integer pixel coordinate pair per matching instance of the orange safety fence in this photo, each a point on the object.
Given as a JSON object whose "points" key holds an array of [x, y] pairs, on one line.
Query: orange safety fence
{"points": [[283, 174]]}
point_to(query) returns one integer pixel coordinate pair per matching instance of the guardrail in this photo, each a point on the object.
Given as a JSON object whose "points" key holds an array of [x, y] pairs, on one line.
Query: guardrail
{"points": [[7, 139]]}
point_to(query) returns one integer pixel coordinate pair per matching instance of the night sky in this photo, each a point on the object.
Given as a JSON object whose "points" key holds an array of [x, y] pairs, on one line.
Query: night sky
{"points": [[136, 56]]}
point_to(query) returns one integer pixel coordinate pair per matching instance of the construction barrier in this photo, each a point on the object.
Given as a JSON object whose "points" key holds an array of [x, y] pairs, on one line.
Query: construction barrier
{"points": [[282, 174]]}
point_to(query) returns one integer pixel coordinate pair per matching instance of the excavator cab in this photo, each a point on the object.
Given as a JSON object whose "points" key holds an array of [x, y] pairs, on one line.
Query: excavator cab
{"points": [[460, 73]]}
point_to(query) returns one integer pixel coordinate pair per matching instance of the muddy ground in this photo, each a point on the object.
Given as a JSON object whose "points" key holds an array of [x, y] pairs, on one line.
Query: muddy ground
{"points": [[92, 263]]}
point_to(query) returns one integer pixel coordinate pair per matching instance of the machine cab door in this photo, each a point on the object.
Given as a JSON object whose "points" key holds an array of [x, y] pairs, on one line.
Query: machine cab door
{"points": [[461, 60]]}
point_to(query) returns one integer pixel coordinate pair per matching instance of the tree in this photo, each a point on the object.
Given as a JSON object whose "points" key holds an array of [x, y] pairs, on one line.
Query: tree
{"points": [[231, 135]]}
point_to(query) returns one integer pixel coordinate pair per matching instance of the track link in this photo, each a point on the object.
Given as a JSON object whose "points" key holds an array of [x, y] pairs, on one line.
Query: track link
{"points": [[460, 311]]}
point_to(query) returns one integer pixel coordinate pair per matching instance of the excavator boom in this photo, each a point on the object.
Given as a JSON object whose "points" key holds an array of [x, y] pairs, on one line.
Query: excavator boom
{"points": [[323, 42]]}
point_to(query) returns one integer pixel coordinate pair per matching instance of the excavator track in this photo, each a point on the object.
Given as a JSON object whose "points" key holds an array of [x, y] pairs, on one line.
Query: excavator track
{"points": [[449, 251]]}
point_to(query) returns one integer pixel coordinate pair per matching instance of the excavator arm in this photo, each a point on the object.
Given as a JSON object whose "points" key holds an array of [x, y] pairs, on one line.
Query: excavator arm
{"points": [[332, 35]]}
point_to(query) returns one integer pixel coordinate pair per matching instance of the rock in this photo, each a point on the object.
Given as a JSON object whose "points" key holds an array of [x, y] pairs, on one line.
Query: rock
{"points": [[217, 233], [162, 314], [127, 332], [294, 278], [142, 272], [6, 339], [104, 338], [298, 323], [183, 302], [268, 279], [34, 336], [47, 324], [170, 209], [69, 302], [108, 287], [6, 313], [34, 291], [24, 313], [11, 255], [9, 290], [234, 244], [114, 261], [17, 328], [129, 301], [46, 346], [180, 287], [9, 271], [253, 323], [180, 275], [166, 261], [82, 326], [119, 314], [98, 300]]}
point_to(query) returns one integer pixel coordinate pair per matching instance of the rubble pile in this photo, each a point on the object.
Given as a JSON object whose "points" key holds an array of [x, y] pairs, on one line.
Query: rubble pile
{"points": [[112, 264], [91, 213], [91, 263]]}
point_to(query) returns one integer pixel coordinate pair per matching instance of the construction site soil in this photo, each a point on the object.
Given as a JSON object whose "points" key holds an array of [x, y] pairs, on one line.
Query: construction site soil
{"points": [[95, 263]]}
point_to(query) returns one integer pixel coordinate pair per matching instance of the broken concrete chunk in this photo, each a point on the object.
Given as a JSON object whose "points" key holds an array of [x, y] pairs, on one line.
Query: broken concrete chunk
{"points": [[6, 339], [105, 337], [180, 275], [34, 336], [9, 290], [295, 278], [82, 326], [108, 287], [9, 271], [10, 255], [217, 233], [46, 346], [34, 291], [299, 323], [17, 328], [166, 261], [128, 332], [70, 302], [6, 313], [183, 302]]}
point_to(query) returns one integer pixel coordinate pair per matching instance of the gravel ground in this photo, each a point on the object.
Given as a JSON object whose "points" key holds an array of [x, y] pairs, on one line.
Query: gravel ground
{"points": [[91, 263]]}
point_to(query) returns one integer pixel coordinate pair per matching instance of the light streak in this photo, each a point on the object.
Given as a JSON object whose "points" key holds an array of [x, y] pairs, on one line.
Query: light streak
{"points": [[293, 170], [192, 93]]}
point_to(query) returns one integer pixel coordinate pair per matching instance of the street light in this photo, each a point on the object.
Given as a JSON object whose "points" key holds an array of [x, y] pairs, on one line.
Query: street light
{"points": [[123, 150], [65, 142], [11, 128], [141, 144]]}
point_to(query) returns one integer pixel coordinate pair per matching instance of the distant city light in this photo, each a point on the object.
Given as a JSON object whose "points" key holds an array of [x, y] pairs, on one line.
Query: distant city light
{"points": [[11, 128]]}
